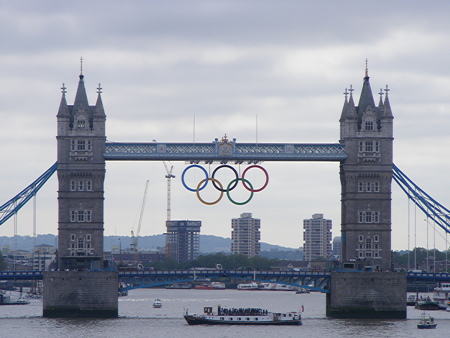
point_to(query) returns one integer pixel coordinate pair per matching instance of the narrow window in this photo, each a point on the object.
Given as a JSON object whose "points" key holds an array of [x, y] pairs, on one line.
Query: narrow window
{"points": [[361, 146], [73, 146], [361, 217], [360, 186], [88, 185], [376, 217], [369, 146], [88, 216], [377, 146], [361, 238], [73, 215], [81, 216], [368, 217], [80, 185], [376, 186], [73, 185]]}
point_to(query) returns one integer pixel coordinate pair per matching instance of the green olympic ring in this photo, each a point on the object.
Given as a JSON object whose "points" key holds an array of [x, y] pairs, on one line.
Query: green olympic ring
{"points": [[251, 191]]}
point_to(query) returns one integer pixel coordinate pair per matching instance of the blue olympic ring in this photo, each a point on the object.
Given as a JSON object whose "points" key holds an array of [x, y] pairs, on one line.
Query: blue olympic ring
{"points": [[195, 166]]}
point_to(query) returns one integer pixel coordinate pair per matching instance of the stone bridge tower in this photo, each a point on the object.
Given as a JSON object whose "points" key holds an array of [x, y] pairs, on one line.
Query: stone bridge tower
{"points": [[81, 172], [366, 131]]}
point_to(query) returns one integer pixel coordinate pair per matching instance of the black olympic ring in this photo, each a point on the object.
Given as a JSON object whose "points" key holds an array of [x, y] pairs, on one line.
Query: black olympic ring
{"points": [[247, 185]]}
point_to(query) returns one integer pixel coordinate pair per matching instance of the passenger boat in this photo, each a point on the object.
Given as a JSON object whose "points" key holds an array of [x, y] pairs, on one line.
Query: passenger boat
{"points": [[179, 286], [157, 303], [427, 304], [249, 286], [211, 286], [411, 300], [242, 316], [441, 295], [6, 300], [277, 287], [426, 322]]}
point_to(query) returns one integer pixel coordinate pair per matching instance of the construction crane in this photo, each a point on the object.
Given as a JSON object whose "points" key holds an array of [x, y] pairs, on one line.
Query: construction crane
{"points": [[169, 176], [134, 238]]}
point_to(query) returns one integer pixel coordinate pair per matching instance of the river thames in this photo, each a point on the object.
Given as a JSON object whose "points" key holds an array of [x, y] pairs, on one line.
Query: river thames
{"points": [[137, 318]]}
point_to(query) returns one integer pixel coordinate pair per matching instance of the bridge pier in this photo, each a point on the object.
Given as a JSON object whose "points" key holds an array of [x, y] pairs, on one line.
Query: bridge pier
{"points": [[86, 294], [372, 295]]}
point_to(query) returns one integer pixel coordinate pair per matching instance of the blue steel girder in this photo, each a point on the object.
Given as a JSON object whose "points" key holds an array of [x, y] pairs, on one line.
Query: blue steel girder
{"points": [[11, 207], [430, 207], [221, 151], [318, 281]]}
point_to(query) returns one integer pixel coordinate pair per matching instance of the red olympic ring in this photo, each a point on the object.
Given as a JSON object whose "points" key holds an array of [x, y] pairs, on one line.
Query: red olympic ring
{"points": [[265, 184]]}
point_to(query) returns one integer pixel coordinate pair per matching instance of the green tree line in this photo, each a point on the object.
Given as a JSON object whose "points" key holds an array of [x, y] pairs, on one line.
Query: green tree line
{"points": [[230, 262]]}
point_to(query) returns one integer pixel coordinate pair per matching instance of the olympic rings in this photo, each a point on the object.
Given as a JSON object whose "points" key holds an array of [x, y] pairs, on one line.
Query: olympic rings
{"points": [[214, 181], [265, 184], [203, 183], [195, 166], [235, 173], [243, 181]]}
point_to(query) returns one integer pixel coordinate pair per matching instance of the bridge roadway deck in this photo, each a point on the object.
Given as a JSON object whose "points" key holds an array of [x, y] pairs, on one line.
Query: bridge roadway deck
{"points": [[319, 281], [221, 151]]}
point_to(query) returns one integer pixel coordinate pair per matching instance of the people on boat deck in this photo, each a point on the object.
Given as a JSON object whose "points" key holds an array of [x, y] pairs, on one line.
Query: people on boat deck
{"points": [[241, 312]]}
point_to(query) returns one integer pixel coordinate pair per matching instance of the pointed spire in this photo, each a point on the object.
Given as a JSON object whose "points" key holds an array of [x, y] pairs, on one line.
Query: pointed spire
{"points": [[99, 110], [380, 104], [366, 98], [81, 97], [63, 108], [387, 106], [349, 110]]}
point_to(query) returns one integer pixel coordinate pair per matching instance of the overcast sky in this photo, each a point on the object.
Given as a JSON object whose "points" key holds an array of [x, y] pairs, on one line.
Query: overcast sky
{"points": [[271, 71]]}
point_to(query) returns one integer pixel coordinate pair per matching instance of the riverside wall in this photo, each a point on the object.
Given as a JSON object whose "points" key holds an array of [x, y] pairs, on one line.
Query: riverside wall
{"points": [[91, 294], [367, 295]]}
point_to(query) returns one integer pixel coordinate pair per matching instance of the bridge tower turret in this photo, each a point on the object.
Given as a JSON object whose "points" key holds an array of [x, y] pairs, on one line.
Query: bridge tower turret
{"points": [[81, 172], [366, 131]]}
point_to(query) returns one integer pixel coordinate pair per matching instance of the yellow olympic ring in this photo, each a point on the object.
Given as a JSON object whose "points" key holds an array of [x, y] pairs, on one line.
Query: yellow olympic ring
{"points": [[198, 191]]}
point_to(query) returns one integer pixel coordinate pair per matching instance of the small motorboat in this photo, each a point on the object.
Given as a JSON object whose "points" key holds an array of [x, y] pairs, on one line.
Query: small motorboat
{"points": [[426, 322], [157, 303]]}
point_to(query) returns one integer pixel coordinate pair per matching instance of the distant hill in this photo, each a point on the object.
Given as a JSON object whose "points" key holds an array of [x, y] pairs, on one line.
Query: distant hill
{"points": [[208, 243]]}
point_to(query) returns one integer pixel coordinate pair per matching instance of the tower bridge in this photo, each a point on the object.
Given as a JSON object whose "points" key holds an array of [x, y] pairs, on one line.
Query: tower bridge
{"points": [[364, 153]]}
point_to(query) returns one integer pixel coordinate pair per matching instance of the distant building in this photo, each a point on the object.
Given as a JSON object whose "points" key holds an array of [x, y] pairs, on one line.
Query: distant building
{"points": [[183, 240], [43, 255], [245, 235], [317, 237], [337, 247]]}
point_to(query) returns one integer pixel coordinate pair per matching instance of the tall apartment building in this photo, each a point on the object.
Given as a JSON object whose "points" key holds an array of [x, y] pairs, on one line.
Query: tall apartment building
{"points": [[183, 240], [245, 235], [337, 247], [317, 237]]}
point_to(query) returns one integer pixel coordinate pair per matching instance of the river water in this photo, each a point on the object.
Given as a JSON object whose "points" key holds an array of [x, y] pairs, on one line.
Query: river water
{"points": [[137, 318]]}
